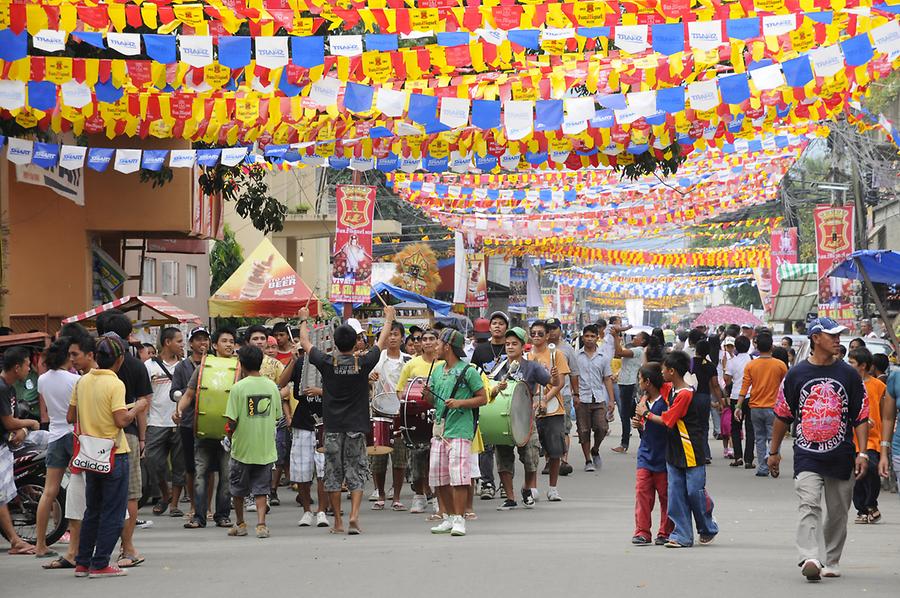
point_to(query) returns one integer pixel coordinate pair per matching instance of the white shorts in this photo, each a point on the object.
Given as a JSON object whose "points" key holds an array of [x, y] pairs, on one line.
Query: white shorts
{"points": [[76, 503], [8, 489], [305, 460]]}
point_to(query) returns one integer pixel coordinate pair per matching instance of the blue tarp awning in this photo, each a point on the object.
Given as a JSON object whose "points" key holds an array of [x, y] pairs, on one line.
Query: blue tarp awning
{"points": [[438, 307], [882, 266]]}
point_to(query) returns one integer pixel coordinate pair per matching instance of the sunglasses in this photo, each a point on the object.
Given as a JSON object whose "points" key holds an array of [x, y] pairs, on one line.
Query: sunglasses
{"points": [[417, 339], [538, 333]]}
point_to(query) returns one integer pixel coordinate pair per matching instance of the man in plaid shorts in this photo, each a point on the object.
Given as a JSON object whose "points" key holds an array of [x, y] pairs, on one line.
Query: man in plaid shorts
{"points": [[456, 391]]}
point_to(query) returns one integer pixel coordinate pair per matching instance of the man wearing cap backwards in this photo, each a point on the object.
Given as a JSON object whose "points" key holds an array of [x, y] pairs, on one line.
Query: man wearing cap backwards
{"points": [[533, 375], [826, 397], [456, 390], [570, 389], [488, 356]]}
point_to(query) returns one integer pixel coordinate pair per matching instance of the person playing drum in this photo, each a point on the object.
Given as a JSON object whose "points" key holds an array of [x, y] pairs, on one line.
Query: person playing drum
{"points": [[533, 375], [455, 389], [345, 406], [419, 367]]}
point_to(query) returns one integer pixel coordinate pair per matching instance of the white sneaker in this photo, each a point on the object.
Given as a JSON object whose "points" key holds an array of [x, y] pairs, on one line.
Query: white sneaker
{"points": [[811, 570], [443, 527], [306, 520], [418, 504], [459, 526], [831, 571], [250, 505], [374, 496], [322, 520], [553, 495]]}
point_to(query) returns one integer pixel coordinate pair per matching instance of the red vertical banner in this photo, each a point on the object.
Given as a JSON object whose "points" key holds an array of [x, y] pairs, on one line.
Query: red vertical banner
{"points": [[351, 272], [783, 251], [834, 242], [470, 275]]}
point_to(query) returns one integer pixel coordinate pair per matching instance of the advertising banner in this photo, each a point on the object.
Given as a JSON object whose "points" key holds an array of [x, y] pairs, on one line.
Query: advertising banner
{"points": [[470, 286], [783, 251], [518, 290], [834, 242], [351, 274]]}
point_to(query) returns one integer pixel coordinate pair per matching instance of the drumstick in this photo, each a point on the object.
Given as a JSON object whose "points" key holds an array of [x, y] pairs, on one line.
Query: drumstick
{"points": [[381, 299], [311, 295]]}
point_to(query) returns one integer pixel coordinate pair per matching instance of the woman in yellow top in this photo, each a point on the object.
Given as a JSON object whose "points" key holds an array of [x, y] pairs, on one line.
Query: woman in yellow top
{"points": [[98, 409]]}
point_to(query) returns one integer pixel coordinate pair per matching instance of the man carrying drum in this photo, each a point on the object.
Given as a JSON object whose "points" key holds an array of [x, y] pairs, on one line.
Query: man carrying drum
{"points": [[518, 370], [419, 367]]}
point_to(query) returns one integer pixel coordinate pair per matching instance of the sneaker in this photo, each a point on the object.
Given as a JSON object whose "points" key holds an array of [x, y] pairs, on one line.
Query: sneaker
{"points": [[81, 571], [553, 495], [273, 498], [250, 505], [108, 571], [508, 505], [831, 571], [419, 503], [321, 520], [144, 524], [811, 569], [374, 496], [640, 541], [620, 450], [459, 526], [589, 466], [597, 460], [262, 531], [238, 529], [565, 468], [660, 540], [546, 470], [527, 498], [503, 492], [487, 491], [762, 474], [444, 526], [306, 520]]}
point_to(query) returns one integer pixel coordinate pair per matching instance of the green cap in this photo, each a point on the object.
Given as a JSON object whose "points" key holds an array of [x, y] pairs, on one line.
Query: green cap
{"points": [[455, 339], [519, 333]]}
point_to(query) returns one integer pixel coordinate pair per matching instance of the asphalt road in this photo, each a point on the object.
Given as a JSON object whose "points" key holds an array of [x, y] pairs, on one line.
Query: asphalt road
{"points": [[580, 546]]}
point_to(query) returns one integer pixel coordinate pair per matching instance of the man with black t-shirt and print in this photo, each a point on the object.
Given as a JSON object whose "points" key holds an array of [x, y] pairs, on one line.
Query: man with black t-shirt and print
{"points": [[827, 400]]}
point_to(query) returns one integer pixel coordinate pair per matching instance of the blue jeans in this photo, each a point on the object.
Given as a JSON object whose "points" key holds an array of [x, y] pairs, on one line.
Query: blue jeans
{"points": [[106, 500], [688, 496], [206, 454], [762, 420]]}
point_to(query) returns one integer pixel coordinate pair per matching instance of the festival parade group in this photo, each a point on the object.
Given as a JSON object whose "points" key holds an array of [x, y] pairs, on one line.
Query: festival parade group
{"points": [[447, 411]]}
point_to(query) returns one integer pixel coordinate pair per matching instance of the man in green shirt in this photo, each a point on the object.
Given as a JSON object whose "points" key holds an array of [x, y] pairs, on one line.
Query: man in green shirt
{"points": [[456, 390], [252, 412]]}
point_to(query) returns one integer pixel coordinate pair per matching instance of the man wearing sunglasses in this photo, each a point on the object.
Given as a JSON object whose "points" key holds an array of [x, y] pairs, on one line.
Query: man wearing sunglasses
{"points": [[550, 408]]}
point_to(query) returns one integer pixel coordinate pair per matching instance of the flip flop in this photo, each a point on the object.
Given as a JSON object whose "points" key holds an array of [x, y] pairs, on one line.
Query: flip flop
{"points": [[22, 549], [398, 506], [378, 505], [60, 563], [160, 507], [47, 555], [133, 560], [176, 512], [353, 529]]}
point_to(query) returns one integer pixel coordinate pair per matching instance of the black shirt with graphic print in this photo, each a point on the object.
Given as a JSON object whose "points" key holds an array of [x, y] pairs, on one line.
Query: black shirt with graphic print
{"points": [[345, 386]]}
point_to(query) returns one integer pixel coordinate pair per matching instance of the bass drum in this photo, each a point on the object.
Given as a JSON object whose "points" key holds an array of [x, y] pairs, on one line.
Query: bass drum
{"points": [[380, 438], [413, 422], [217, 376], [508, 419]]}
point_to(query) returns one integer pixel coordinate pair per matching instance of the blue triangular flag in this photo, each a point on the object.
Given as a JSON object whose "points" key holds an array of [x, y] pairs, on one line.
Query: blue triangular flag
{"points": [[486, 114], [735, 88], [308, 51], [548, 115], [91, 38], [208, 157], [748, 28], [234, 52], [154, 159], [857, 50], [358, 98], [797, 71], [527, 38], [383, 42], [42, 95], [670, 99], [98, 158], [422, 108], [161, 48], [45, 155], [668, 39], [13, 47]]}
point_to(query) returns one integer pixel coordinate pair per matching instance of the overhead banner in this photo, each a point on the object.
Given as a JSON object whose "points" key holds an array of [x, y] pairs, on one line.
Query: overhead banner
{"points": [[834, 242], [67, 183], [470, 275], [783, 251], [518, 290], [351, 273]]}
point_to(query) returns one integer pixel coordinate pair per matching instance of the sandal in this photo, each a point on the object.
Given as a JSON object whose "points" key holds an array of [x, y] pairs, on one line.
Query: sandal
{"points": [[176, 512], [224, 522], [434, 517], [60, 563], [133, 560], [378, 505], [160, 507], [22, 548], [47, 555], [736, 463], [863, 518], [874, 516], [470, 516], [398, 506], [193, 524]]}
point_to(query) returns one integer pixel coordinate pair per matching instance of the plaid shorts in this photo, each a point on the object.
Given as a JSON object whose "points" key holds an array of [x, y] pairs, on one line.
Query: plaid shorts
{"points": [[135, 482], [305, 460], [399, 458], [8, 490], [450, 462]]}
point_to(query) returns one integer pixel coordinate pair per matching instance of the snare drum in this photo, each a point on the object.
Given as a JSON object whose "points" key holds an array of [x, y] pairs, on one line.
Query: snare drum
{"points": [[507, 420], [386, 404], [413, 422], [379, 439], [217, 376]]}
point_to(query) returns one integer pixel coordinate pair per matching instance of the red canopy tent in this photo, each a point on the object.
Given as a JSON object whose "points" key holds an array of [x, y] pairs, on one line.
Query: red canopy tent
{"points": [[166, 313]]}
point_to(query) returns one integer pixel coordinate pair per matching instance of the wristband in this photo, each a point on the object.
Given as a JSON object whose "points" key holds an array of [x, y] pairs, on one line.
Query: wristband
{"points": [[885, 443], [863, 455]]}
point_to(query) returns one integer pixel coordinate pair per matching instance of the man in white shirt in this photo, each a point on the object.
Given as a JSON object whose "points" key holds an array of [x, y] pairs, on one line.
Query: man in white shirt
{"points": [[163, 440], [385, 378], [734, 375]]}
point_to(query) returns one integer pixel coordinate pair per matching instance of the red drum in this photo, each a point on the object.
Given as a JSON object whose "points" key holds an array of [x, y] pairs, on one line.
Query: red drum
{"points": [[413, 423], [379, 440], [320, 437]]}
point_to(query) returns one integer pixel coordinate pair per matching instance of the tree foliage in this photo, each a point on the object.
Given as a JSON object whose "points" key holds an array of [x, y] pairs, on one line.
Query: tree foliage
{"points": [[226, 257], [247, 187]]}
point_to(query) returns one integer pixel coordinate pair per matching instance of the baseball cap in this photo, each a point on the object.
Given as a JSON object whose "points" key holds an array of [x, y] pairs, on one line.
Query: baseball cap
{"points": [[519, 333], [355, 325], [729, 340], [553, 323], [456, 340], [270, 340], [197, 330], [826, 325], [499, 314], [482, 328]]}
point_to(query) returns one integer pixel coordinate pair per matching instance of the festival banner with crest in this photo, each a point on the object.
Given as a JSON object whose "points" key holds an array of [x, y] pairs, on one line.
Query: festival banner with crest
{"points": [[834, 242], [351, 274]]}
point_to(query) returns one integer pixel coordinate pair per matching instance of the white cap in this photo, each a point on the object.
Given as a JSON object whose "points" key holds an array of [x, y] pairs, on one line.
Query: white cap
{"points": [[729, 340], [355, 325]]}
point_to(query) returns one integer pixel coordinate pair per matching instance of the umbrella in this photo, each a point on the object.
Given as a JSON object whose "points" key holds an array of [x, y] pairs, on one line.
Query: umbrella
{"points": [[726, 314], [873, 266]]}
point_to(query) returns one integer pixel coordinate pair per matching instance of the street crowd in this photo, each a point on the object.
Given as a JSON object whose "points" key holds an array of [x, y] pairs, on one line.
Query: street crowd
{"points": [[107, 409]]}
